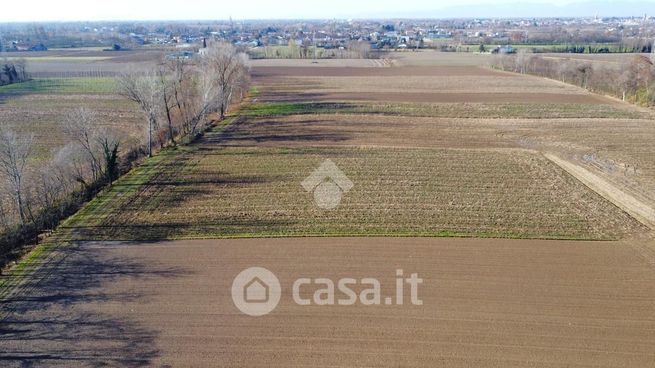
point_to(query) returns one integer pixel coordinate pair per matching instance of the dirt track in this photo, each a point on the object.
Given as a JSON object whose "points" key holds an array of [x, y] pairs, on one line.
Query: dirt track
{"points": [[487, 303], [637, 209]]}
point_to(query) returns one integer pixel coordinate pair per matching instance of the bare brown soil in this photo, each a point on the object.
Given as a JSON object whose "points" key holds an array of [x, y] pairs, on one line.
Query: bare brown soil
{"points": [[486, 303], [304, 71], [417, 84]]}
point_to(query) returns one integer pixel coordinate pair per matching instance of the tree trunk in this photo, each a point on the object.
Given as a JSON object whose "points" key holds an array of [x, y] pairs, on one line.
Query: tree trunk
{"points": [[150, 127], [19, 203], [171, 134]]}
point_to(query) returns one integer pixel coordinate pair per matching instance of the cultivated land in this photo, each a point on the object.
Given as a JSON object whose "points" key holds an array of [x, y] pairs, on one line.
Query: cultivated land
{"points": [[448, 169], [445, 149], [486, 303], [41, 106], [62, 82]]}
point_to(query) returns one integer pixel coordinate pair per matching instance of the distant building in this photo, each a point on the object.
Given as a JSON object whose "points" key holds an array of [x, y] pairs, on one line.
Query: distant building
{"points": [[18, 46], [181, 55], [503, 50]]}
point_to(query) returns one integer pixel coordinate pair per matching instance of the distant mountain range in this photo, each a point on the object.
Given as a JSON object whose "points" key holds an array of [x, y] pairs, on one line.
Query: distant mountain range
{"points": [[527, 10]]}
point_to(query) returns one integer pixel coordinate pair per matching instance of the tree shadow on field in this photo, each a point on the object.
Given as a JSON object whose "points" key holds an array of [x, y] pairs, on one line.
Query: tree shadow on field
{"points": [[164, 207], [279, 96], [28, 87], [257, 132], [51, 320]]}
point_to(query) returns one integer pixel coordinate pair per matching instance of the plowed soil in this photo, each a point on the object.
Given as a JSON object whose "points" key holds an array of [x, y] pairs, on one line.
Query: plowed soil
{"points": [[486, 303]]}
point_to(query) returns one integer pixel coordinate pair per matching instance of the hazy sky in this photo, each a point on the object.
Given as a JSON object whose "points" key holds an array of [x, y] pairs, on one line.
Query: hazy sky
{"points": [[63, 10]]}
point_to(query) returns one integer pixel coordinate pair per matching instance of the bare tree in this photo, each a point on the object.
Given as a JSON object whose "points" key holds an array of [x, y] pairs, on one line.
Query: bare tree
{"points": [[50, 183], [81, 125], [182, 89], [70, 160], [523, 60], [110, 155], [145, 90], [584, 70], [229, 70], [360, 49], [21, 69], [15, 151], [167, 87]]}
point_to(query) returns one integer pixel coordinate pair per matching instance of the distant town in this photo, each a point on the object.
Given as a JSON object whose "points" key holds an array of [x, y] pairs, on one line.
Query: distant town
{"points": [[271, 39]]}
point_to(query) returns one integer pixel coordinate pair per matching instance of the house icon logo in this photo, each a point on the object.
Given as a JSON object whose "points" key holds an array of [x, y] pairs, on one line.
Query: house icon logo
{"points": [[256, 291], [328, 183]]}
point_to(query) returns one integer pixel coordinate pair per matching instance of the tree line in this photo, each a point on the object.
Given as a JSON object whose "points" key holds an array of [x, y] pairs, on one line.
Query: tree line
{"points": [[13, 72], [178, 100], [632, 79]]}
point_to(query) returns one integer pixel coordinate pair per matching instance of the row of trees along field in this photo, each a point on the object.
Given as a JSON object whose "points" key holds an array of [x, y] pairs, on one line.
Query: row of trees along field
{"points": [[178, 101], [632, 79], [13, 72]]}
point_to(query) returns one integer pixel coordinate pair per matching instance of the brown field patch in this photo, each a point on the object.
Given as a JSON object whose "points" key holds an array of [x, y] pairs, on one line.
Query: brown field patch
{"points": [[467, 84], [449, 84], [361, 131], [301, 71], [436, 58], [318, 63], [486, 303]]}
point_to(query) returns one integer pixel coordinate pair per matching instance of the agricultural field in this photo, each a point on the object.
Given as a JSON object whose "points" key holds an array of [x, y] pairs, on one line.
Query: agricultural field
{"points": [[596, 58], [86, 63], [601, 134], [240, 192], [435, 58], [486, 303], [417, 84], [420, 168], [65, 80], [469, 176], [40, 107]]}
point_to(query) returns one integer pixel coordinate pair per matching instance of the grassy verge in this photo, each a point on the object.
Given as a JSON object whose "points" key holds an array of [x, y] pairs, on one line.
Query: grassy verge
{"points": [[62, 86], [22, 268], [447, 110]]}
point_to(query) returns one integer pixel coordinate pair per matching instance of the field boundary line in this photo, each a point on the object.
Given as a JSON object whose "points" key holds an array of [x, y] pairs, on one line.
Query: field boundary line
{"points": [[631, 205]]}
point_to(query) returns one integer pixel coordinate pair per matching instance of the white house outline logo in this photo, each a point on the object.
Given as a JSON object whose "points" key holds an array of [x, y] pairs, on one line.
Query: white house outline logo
{"points": [[256, 291], [328, 183]]}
